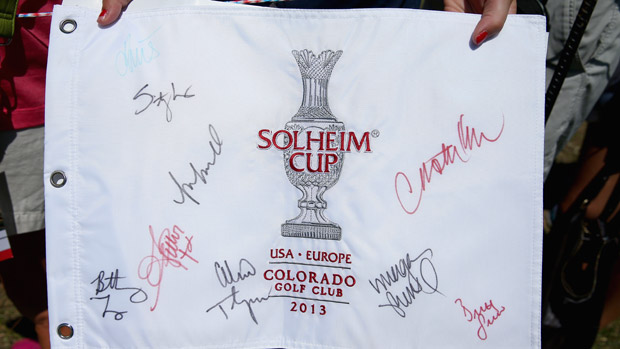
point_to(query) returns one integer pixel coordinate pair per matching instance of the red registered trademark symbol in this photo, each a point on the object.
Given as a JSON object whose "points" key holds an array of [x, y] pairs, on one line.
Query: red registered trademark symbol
{"points": [[374, 133]]}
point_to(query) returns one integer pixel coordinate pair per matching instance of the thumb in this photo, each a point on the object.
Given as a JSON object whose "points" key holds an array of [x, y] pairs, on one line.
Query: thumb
{"points": [[110, 11], [494, 15]]}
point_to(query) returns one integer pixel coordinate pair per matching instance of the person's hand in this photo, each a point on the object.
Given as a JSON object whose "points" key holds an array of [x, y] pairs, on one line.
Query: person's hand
{"points": [[111, 10], [494, 13]]}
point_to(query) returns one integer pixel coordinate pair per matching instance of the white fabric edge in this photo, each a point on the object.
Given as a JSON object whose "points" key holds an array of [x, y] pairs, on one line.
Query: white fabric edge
{"points": [[60, 202]]}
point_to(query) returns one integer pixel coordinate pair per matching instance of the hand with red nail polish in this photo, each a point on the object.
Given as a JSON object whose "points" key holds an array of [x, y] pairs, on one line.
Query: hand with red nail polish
{"points": [[111, 10], [494, 13]]}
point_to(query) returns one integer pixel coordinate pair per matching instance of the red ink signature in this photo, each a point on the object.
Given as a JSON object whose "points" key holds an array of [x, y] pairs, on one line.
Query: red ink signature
{"points": [[165, 252], [438, 162], [479, 314]]}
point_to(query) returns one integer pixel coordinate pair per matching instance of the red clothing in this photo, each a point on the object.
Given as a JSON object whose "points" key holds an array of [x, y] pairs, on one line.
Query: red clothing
{"points": [[22, 68]]}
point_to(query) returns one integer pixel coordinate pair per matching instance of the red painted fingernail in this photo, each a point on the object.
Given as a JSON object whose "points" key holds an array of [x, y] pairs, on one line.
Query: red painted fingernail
{"points": [[480, 38], [103, 13]]}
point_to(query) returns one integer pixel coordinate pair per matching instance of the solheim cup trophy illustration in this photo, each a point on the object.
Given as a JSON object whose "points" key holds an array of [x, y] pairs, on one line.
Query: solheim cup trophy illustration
{"points": [[314, 163]]}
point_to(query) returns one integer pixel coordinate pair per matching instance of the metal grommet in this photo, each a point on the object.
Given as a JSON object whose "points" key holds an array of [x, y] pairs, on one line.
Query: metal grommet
{"points": [[65, 331], [58, 179], [68, 26]]}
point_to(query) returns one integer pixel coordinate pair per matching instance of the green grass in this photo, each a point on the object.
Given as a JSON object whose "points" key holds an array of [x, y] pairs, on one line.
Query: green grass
{"points": [[7, 312], [609, 337]]}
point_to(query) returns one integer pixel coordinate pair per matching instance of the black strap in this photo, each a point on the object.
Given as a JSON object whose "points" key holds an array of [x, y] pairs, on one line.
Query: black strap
{"points": [[589, 192], [568, 53]]}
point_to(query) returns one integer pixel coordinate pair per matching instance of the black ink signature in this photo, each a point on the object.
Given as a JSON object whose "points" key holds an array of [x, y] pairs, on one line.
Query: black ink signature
{"points": [[164, 98], [415, 284], [109, 284], [235, 301], [216, 149], [226, 277]]}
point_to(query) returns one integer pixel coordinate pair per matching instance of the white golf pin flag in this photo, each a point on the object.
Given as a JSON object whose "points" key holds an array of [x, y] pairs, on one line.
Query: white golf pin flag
{"points": [[229, 176]]}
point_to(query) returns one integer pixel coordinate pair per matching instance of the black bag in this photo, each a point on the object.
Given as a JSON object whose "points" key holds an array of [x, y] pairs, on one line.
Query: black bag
{"points": [[579, 255]]}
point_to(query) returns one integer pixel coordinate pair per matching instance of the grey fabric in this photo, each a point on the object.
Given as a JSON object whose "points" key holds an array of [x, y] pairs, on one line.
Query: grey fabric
{"points": [[21, 180], [596, 61]]}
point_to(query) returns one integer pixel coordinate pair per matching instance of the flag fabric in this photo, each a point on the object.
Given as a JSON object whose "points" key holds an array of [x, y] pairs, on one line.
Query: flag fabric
{"points": [[229, 176]]}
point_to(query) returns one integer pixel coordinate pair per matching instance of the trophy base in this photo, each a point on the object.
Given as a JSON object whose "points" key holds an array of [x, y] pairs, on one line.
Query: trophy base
{"points": [[312, 231]]}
